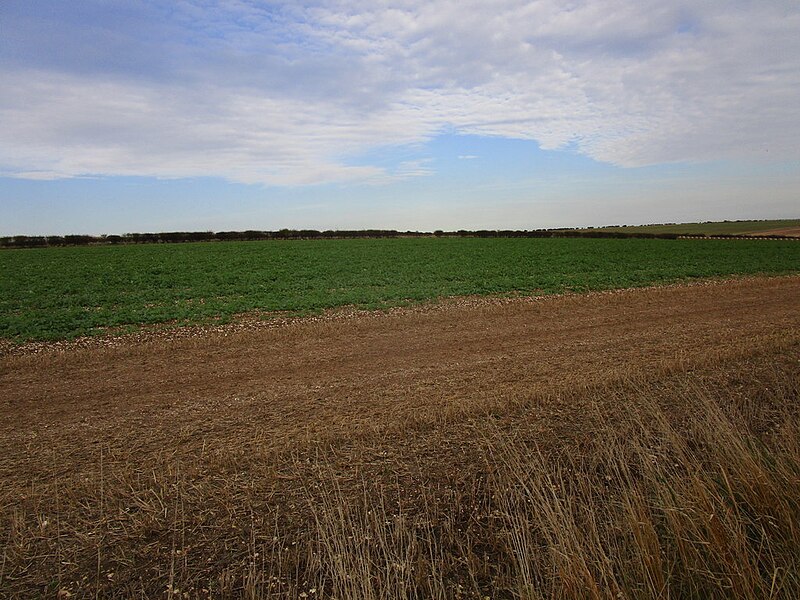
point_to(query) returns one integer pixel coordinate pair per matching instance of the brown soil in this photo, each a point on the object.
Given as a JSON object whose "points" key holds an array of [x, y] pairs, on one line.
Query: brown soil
{"points": [[371, 370], [374, 370], [113, 422], [789, 231]]}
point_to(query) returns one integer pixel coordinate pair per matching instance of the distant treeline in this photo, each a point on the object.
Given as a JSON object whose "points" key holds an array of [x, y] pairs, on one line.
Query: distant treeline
{"points": [[173, 237]]}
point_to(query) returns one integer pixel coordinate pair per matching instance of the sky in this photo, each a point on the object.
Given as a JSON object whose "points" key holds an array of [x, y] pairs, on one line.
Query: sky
{"points": [[193, 115]]}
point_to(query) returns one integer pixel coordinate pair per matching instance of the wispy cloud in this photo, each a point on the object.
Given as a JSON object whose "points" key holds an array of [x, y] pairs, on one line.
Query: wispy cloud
{"points": [[283, 93]]}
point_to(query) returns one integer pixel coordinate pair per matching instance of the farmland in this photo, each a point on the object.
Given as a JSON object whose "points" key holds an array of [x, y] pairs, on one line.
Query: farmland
{"points": [[489, 437], [61, 293], [639, 443], [778, 226]]}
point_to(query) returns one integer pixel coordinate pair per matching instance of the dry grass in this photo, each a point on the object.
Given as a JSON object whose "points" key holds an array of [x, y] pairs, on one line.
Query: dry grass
{"points": [[678, 493], [658, 506], [686, 486]]}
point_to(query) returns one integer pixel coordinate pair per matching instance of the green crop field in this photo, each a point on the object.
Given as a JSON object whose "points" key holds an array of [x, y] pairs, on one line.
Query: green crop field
{"points": [[60, 293]]}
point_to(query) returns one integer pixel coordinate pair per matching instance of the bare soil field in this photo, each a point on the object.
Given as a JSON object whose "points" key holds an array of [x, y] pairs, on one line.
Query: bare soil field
{"points": [[788, 231], [399, 454]]}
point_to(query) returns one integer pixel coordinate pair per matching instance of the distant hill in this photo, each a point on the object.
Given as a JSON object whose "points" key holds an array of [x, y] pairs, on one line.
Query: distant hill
{"points": [[774, 227]]}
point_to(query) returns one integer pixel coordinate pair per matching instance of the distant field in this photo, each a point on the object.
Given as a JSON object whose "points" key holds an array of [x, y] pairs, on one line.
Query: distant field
{"points": [[59, 293], [718, 228]]}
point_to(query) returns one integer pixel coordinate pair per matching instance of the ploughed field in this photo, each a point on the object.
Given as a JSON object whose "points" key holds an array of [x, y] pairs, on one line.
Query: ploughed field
{"points": [[642, 443], [60, 293], [787, 227]]}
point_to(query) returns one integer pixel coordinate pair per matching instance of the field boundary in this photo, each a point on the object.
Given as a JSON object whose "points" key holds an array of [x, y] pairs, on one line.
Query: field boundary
{"points": [[265, 320], [182, 237]]}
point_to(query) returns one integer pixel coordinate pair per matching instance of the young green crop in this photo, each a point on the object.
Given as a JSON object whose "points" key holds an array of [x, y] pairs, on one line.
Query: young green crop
{"points": [[58, 293]]}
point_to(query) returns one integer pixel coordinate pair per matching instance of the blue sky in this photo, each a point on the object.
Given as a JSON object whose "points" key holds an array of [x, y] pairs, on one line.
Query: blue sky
{"points": [[195, 115]]}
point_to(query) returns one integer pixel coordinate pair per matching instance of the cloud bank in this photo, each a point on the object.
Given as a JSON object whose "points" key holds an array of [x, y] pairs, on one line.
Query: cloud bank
{"points": [[286, 93]]}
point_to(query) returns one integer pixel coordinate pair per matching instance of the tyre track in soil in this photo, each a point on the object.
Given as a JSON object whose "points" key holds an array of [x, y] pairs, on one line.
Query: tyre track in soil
{"points": [[273, 388]]}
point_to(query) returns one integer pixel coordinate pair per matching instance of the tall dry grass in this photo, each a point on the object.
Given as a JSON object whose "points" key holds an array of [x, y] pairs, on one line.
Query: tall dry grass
{"points": [[682, 492], [686, 486], [657, 507]]}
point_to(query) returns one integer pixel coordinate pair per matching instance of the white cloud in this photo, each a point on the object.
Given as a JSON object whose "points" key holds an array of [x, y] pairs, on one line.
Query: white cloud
{"points": [[40, 175], [289, 95]]}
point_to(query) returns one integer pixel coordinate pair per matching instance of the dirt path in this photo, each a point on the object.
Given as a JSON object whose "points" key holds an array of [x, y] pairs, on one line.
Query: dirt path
{"points": [[338, 377]]}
